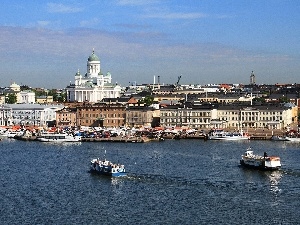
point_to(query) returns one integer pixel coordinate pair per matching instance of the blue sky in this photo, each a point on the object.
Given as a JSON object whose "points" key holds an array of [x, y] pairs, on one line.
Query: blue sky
{"points": [[44, 43]]}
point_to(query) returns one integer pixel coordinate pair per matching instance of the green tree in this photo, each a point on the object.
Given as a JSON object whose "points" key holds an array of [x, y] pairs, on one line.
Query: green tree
{"points": [[11, 99], [148, 100]]}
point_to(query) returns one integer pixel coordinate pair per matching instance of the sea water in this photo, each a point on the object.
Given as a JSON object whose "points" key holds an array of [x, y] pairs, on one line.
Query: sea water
{"points": [[169, 182]]}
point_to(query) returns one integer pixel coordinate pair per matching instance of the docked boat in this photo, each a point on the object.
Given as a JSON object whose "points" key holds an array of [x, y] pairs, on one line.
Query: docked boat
{"points": [[58, 137], [222, 135], [105, 167], [294, 139], [12, 134], [264, 162], [293, 136], [278, 138]]}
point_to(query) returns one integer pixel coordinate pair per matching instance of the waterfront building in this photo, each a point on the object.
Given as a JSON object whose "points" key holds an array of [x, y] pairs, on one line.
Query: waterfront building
{"points": [[189, 115], [101, 115], [30, 114], [5, 115], [141, 115], [94, 85], [233, 116], [66, 117]]}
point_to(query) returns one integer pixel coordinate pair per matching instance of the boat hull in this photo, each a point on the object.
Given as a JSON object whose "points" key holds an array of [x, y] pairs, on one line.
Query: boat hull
{"points": [[257, 165], [59, 138], [109, 174], [237, 138], [293, 139]]}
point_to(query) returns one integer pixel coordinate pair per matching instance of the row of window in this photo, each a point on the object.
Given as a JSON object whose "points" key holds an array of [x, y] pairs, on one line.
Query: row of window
{"points": [[185, 113]]}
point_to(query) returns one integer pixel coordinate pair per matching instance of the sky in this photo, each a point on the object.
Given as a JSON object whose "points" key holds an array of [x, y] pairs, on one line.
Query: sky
{"points": [[44, 43]]}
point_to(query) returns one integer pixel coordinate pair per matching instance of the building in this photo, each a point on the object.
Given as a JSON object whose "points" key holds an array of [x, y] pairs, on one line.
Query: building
{"points": [[233, 116], [44, 99], [29, 114], [189, 115], [101, 115], [66, 117], [5, 115], [26, 97], [140, 115], [94, 85]]}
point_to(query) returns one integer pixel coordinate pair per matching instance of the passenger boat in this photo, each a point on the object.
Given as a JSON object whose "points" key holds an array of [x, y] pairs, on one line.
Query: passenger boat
{"points": [[222, 135], [58, 137], [264, 162], [105, 167], [293, 136], [293, 139], [12, 134], [278, 138]]}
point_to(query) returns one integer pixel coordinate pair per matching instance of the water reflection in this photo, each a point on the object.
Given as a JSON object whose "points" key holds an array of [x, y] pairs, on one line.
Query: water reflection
{"points": [[274, 179]]}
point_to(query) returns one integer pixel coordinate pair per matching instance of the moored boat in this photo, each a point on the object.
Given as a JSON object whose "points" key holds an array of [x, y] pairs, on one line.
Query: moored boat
{"points": [[264, 162], [293, 139], [105, 167], [278, 138], [58, 137], [222, 135]]}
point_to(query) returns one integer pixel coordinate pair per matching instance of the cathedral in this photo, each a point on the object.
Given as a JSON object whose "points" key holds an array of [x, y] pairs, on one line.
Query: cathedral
{"points": [[93, 86]]}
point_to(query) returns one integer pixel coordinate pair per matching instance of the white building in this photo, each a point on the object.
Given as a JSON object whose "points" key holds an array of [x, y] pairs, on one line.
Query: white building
{"points": [[93, 86], [28, 114], [26, 97], [5, 115]]}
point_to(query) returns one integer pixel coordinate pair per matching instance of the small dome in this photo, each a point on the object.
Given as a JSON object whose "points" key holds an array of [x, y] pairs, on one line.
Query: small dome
{"points": [[93, 57], [78, 73], [14, 85]]}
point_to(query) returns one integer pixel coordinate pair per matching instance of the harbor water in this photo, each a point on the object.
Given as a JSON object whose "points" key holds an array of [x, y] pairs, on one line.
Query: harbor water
{"points": [[168, 182]]}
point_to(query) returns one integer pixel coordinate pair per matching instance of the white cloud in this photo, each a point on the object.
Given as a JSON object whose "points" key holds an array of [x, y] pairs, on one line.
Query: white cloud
{"points": [[61, 8], [59, 54]]}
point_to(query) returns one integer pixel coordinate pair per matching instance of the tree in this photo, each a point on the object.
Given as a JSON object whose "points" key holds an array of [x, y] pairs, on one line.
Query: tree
{"points": [[11, 99], [148, 100]]}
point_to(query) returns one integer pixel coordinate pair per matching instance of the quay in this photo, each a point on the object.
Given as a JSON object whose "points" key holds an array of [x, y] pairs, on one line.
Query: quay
{"points": [[118, 139]]}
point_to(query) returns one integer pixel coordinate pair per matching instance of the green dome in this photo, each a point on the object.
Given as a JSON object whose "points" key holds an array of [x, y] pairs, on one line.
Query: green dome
{"points": [[78, 73], [93, 57]]}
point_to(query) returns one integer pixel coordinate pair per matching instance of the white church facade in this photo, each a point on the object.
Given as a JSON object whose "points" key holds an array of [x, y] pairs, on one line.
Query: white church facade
{"points": [[93, 86]]}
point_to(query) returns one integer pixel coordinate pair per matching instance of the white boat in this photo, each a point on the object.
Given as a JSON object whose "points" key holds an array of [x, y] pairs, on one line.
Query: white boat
{"points": [[58, 137], [264, 162], [294, 139], [278, 138], [12, 134], [105, 167], [222, 135]]}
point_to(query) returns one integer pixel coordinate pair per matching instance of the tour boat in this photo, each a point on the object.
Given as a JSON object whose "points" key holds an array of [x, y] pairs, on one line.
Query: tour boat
{"points": [[264, 162], [222, 135], [105, 167], [293, 139], [58, 137], [278, 138]]}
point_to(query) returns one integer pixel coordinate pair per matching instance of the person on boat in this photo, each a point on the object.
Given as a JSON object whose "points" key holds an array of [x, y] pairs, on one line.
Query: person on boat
{"points": [[265, 155]]}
